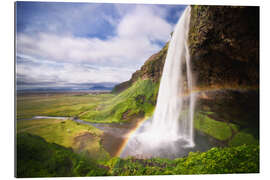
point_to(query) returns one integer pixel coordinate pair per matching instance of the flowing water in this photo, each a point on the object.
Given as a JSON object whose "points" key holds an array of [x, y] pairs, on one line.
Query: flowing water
{"points": [[171, 128], [170, 122]]}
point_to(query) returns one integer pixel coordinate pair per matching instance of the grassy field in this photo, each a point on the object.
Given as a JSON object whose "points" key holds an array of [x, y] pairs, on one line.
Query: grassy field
{"points": [[136, 101], [65, 104], [84, 139]]}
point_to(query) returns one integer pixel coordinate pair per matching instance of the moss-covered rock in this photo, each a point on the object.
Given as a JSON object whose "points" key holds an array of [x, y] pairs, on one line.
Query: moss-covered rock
{"points": [[133, 103]]}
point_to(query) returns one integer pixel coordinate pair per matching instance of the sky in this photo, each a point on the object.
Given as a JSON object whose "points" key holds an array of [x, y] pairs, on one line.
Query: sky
{"points": [[84, 44]]}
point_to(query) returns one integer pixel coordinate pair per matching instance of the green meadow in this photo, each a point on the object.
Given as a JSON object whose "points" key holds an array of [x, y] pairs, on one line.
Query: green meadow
{"points": [[138, 100], [79, 148], [60, 104]]}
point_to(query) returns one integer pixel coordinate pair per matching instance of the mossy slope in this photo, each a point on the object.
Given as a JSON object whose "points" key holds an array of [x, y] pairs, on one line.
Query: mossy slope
{"points": [[135, 102], [83, 139], [38, 158], [228, 134]]}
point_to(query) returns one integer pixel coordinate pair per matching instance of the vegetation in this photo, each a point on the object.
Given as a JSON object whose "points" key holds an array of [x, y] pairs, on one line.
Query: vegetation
{"points": [[53, 147], [84, 139], [241, 159], [228, 133], [136, 101], [243, 137], [38, 158], [57, 104], [56, 147], [217, 129]]}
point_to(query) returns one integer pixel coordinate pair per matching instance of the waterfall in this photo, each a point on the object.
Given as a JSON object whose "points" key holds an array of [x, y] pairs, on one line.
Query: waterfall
{"points": [[171, 118], [172, 124]]}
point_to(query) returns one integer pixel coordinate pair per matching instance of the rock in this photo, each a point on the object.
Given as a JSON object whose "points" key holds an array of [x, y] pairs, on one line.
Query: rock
{"points": [[224, 46]]}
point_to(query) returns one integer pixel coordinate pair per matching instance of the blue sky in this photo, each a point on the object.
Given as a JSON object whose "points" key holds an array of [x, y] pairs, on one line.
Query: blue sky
{"points": [[80, 44]]}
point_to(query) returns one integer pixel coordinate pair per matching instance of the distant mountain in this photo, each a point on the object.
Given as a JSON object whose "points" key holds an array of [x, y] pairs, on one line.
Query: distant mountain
{"points": [[99, 87], [78, 88]]}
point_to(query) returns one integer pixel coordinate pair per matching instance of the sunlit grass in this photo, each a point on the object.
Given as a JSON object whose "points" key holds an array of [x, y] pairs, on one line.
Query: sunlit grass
{"points": [[57, 104], [217, 129], [64, 133], [137, 100]]}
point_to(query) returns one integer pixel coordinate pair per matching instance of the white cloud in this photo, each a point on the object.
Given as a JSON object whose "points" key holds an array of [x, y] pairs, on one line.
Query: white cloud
{"points": [[70, 73], [137, 34], [144, 22]]}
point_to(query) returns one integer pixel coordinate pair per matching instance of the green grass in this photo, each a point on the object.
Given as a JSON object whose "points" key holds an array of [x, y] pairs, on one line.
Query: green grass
{"points": [[241, 159], [38, 158], [136, 101], [67, 133], [57, 104], [46, 146], [223, 131], [243, 137], [217, 129]]}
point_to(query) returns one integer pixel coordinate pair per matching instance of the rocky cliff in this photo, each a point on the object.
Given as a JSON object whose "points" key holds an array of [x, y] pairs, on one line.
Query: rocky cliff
{"points": [[224, 46], [224, 49]]}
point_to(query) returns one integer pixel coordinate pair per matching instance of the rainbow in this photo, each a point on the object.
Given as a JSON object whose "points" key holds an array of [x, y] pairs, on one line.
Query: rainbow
{"points": [[129, 135]]}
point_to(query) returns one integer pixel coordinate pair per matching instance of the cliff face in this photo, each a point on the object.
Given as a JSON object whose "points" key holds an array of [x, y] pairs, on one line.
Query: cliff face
{"points": [[224, 46], [224, 49]]}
